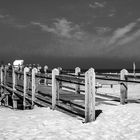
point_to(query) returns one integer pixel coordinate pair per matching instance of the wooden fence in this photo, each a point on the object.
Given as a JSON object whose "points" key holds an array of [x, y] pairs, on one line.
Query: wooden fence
{"points": [[22, 85]]}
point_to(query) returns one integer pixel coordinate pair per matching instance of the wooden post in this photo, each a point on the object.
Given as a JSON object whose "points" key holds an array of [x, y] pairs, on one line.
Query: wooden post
{"points": [[34, 71], [134, 70], [20, 70], [30, 67], [1, 81], [60, 82], [123, 86], [5, 91], [5, 74], [77, 87], [90, 95], [2, 74], [26, 69], [29, 77], [45, 71], [14, 97], [1, 78], [55, 87], [38, 70], [14, 76]]}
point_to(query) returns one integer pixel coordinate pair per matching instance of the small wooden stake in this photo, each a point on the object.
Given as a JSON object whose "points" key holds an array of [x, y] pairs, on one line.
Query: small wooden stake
{"points": [[77, 87], [123, 86], [34, 71], [90, 95], [26, 69], [55, 87]]}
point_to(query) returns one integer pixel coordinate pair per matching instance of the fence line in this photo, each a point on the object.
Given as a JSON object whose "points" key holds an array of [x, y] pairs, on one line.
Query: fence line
{"points": [[88, 80]]}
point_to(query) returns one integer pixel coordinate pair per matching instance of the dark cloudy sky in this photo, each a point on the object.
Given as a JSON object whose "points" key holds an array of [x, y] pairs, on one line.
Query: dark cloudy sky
{"points": [[68, 33]]}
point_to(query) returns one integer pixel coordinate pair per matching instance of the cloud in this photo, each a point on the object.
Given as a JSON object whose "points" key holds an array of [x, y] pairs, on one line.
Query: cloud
{"points": [[129, 38], [72, 41], [62, 28], [97, 5], [121, 32], [102, 30], [127, 34], [9, 20], [3, 16], [89, 44], [111, 14], [43, 27]]}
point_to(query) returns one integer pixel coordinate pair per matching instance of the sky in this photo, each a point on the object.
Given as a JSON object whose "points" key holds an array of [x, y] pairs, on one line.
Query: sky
{"points": [[68, 33]]}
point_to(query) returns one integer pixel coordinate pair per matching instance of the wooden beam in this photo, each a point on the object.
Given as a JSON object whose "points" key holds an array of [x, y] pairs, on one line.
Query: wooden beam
{"points": [[77, 87], [90, 95], [55, 87]]}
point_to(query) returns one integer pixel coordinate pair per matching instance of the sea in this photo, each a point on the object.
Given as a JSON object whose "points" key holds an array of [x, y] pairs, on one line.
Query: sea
{"points": [[104, 70]]}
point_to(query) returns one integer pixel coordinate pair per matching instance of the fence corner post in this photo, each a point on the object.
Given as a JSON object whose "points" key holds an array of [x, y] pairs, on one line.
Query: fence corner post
{"points": [[123, 86], [77, 87], [90, 95], [55, 87], [34, 71]]}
